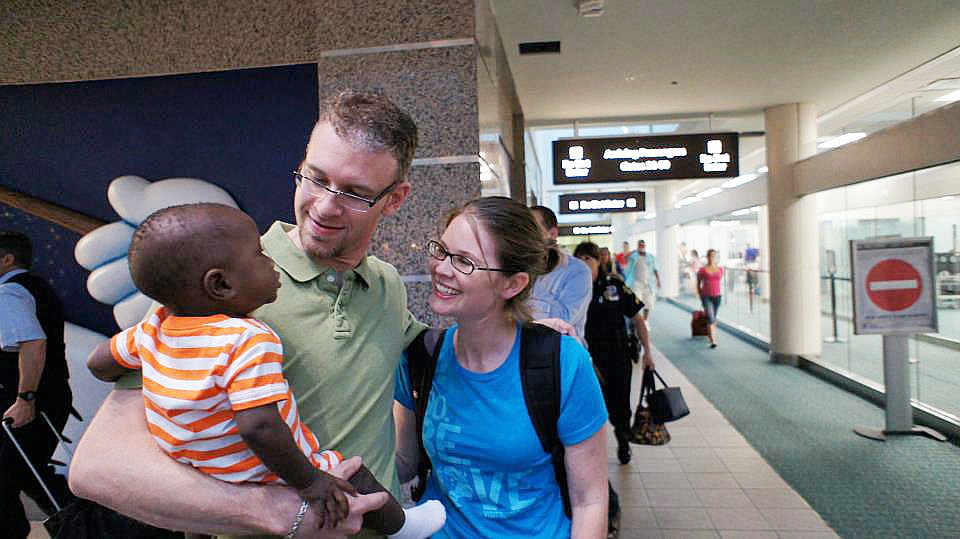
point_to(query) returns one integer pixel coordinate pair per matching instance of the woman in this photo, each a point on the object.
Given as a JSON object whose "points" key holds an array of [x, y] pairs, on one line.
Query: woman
{"points": [[710, 290], [606, 337], [489, 469], [607, 262]]}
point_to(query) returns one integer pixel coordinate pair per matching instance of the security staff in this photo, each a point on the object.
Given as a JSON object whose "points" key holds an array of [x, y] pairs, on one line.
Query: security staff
{"points": [[33, 378], [607, 338]]}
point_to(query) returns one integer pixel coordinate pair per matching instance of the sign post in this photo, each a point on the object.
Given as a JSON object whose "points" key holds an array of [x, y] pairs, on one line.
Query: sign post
{"points": [[894, 296]]}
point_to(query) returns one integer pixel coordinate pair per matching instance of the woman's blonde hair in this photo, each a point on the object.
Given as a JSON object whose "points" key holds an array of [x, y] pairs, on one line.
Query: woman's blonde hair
{"points": [[516, 238]]}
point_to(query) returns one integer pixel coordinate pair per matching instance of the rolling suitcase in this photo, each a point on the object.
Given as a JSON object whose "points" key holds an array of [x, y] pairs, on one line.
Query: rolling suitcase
{"points": [[699, 326], [60, 438]]}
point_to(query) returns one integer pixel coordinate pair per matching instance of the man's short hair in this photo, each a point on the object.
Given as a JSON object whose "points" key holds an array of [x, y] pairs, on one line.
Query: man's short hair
{"points": [[17, 244], [546, 215], [374, 122]]}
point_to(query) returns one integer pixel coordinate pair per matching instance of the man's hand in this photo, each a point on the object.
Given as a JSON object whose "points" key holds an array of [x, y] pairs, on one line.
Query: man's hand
{"points": [[359, 505], [327, 499], [559, 325], [22, 412]]}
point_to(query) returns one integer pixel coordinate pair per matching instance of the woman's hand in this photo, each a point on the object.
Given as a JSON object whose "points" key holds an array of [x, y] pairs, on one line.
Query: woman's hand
{"points": [[647, 360]]}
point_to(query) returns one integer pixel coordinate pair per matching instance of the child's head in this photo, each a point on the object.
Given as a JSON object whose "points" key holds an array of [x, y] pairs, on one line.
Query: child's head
{"points": [[201, 259]]}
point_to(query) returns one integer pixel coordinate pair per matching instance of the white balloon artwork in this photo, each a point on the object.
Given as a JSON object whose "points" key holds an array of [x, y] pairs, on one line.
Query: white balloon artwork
{"points": [[104, 250]]}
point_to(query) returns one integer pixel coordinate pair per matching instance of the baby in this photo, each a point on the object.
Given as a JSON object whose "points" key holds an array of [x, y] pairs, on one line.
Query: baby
{"points": [[213, 384]]}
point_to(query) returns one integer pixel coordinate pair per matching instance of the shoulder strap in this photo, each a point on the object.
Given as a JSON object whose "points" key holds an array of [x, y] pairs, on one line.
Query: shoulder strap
{"points": [[422, 357], [540, 377]]}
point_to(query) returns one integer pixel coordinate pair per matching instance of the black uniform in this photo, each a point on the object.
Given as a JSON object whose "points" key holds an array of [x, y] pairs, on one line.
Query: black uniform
{"points": [[53, 397], [606, 335]]}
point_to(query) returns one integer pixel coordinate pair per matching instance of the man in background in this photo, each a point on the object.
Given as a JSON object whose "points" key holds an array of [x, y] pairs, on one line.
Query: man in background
{"points": [[642, 273], [33, 379]]}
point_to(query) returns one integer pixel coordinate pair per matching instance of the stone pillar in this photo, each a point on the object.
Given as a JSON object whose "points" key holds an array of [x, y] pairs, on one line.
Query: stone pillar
{"points": [[794, 258], [667, 242]]}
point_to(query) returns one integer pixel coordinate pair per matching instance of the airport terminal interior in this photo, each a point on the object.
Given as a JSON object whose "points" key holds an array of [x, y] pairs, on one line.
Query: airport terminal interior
{"points": [[814, 146]]}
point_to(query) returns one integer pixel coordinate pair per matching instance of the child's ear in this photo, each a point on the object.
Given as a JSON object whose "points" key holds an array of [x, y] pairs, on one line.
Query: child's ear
{"points": [[217, 285]]}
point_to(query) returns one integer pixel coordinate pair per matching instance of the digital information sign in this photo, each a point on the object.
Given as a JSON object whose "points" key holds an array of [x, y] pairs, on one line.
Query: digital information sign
{"points": [[585, 230], [667, 157], [619, 202]]}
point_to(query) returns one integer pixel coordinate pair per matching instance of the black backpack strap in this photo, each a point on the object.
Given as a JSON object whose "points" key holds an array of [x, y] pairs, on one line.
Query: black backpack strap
{"points": [[422, 357], [540, 377]]}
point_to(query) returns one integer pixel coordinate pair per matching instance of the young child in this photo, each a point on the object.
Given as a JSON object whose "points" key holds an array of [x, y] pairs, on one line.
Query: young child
{"points": [[213, 385]]}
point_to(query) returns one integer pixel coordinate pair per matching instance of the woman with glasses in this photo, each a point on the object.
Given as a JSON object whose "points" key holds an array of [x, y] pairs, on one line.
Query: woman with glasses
{"points": [[488, 466]]}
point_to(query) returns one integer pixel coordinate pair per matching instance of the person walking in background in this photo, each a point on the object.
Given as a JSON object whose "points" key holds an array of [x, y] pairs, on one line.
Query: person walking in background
{"points": [[642, 272], [710, 290], [564, 290], [610, 265], [33, 379], [623, 257], [606, 338]]}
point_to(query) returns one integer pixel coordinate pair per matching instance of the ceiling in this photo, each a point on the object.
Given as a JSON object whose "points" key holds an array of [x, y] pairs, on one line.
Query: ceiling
{"points": [[664, 58]]}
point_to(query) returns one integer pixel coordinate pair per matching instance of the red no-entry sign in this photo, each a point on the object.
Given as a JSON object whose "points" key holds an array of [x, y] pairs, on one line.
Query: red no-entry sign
{"points": [[893, 285]]}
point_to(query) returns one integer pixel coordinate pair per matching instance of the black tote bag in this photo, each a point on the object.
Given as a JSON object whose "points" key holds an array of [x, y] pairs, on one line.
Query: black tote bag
{"points": [[666, 404]]}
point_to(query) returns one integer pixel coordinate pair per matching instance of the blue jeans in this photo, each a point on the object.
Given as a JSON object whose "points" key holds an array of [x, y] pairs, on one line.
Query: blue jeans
{"points": [[711, 304]]}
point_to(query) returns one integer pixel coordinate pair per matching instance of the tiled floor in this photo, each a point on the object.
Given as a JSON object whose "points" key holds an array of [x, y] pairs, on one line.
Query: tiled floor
{"points": [[707, 482]]}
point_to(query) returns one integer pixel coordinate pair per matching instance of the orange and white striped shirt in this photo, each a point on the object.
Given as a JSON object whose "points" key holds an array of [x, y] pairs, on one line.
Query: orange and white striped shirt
{"points": [[197, 371]]}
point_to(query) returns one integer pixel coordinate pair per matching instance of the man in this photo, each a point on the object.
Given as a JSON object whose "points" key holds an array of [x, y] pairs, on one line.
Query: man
{"points": [[642, 272], [344, 323], [33, 379], [564, 290]]}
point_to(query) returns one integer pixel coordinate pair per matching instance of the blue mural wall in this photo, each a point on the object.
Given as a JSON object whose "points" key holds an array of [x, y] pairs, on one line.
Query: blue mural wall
{"points": [[244, 130]]}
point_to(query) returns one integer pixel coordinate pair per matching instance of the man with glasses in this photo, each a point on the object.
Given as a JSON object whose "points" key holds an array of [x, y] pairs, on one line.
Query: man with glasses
{"points": [[343, 320]]}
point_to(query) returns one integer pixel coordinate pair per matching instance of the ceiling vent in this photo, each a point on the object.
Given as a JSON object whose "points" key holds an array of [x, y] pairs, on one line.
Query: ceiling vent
{"points": [[589, 8], [540, 47]]}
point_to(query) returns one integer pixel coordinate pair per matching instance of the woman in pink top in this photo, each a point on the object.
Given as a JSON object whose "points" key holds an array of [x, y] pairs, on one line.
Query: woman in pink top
{"points": [[710, 288]]}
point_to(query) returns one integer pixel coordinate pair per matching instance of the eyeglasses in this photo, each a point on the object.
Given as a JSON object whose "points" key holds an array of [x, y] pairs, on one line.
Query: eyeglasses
{"points": [[459, 262], [349, 201]]}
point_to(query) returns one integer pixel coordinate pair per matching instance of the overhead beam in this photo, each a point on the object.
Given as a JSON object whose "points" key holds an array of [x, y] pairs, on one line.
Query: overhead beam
{"points": [[926, 141]]}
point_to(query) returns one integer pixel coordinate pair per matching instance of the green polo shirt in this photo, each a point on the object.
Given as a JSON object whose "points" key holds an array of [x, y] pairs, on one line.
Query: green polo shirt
{"points": [[341, 347]]}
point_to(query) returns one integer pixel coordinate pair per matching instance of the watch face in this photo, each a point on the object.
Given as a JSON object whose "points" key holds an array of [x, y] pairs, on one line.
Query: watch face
{"points": [[28, 395]]}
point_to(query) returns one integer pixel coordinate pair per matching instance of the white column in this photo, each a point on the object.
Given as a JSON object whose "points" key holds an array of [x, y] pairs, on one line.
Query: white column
{"points": [[667, 242], [622, 225], [794, 259]]}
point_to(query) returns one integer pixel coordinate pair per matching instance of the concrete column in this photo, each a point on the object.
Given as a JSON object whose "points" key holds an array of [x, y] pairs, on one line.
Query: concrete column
{"points": [[622, 226], [667, 242], [794, 257]]}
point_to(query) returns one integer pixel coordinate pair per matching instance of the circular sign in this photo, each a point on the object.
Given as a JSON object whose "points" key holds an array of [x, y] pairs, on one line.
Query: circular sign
{"points": [[893, 285]]}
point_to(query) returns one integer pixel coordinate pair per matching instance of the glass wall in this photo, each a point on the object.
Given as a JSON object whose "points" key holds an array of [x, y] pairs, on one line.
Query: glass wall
{"points": [[924, 203], [736, 238]]}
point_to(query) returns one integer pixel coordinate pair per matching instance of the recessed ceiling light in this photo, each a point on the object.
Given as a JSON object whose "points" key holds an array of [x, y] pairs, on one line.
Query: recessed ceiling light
{"points": [[630, 78], [845, 138], [949, 98], [943, 84], [738, 181]]}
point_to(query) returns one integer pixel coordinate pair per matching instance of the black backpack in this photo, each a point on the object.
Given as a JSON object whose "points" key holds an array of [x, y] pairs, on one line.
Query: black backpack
{"points": [[539, 376]]}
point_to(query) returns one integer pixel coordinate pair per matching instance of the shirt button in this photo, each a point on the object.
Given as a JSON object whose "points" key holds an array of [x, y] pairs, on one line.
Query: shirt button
{"points": [[331, 278]]}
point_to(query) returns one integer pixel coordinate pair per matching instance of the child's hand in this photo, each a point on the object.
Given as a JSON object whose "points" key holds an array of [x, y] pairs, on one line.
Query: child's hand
{"points": [[326, 498]]}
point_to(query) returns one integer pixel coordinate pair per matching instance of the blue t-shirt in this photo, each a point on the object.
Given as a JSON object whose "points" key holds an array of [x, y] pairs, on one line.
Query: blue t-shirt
{"points": [[489, 469]]}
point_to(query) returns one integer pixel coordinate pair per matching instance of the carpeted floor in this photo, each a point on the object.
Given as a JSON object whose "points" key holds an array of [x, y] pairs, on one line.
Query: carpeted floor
{"points": [[906, 487]]}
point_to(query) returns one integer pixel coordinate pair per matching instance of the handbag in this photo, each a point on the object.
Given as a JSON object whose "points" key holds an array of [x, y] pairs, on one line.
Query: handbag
{"points": [[666, 404], [644, 430]]}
